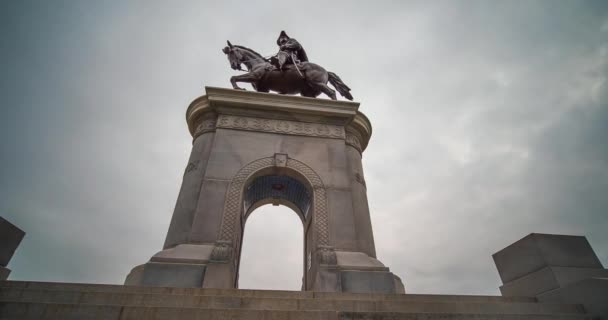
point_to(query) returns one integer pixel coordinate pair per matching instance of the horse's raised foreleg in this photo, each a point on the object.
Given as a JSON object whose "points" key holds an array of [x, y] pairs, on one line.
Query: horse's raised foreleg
{"points": [[248, 77]]}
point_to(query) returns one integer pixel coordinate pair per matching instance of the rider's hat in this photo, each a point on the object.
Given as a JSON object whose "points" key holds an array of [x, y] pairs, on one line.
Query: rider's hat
{"points": [[282, 35]]}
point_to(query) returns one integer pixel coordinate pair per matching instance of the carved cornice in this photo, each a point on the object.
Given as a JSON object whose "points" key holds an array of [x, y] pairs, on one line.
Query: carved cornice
{"points": [[269, 106], [358, 132], [281, 126], [227, 98], [279, 114]]}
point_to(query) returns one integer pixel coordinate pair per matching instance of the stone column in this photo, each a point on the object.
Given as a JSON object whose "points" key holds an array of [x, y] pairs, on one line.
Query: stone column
{"points": [[356, 143], [188, 198]]}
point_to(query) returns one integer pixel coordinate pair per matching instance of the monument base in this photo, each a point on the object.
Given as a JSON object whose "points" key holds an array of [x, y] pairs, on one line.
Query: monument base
{"points": [[191, 266], [39, 300], [182, 267], [356, 272]]}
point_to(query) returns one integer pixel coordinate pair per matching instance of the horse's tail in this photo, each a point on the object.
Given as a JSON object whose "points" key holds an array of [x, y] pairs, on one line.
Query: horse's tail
{"points": [[339, 85]]}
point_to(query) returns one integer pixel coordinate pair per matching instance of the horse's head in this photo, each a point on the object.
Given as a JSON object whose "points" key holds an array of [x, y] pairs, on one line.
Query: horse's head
{"points": [[235, 57]]}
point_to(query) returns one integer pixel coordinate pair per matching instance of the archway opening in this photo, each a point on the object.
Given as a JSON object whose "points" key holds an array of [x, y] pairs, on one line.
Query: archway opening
{"points": [[271, 253]]}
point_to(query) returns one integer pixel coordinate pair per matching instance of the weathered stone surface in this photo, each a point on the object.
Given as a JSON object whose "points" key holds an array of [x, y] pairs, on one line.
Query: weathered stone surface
{"points": [[10, 238], [185, 253], [38, 300], [353, 260], [547, 279], [367, 281], [555, 268], [181, 275], [592, 293], [237, 137], [120, 289]]}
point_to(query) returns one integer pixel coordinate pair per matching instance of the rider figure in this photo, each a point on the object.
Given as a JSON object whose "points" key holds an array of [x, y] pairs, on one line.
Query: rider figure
{"points": [[290, 52]]}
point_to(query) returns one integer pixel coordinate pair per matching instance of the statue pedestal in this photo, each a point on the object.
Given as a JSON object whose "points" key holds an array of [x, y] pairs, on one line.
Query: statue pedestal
{"points": [[251, 149]]}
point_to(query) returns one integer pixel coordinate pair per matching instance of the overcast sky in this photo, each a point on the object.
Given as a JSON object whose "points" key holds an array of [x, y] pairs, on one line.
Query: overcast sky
{"points": [[490, 122]]}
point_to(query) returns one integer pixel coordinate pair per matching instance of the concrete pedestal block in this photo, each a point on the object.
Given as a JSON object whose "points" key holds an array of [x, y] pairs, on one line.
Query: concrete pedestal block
{"points": [[547, 279], [542, 262], [592, 293], [537, 251], [554, 268], [177, 275], [356, 272]]}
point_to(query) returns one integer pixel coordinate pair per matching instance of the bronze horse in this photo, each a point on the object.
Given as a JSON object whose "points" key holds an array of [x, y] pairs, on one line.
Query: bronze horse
{"points": [[308, 79]]}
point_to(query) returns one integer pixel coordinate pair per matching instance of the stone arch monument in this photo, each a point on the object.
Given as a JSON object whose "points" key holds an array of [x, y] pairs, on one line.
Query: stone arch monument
{"points": [[251, 149]]}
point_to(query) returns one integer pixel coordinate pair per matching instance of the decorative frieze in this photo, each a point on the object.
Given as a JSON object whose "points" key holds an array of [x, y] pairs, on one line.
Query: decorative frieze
{"points": [[281, 126]]}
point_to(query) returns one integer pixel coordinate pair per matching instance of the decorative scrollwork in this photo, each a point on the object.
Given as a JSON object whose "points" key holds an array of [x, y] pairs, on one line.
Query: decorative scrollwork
{"points": [[222, 252], [327, 255], [234, 199]]}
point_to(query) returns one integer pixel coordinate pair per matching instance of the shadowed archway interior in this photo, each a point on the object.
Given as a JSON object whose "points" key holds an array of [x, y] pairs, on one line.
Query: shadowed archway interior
{"points": [[278, 190]]}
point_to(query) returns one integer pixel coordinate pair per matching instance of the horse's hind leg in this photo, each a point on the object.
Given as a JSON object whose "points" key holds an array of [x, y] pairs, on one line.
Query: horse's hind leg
{"points": [[310, 92], [325, 89]]}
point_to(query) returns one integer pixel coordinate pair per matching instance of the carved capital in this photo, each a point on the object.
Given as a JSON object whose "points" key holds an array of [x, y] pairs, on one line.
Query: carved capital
{"points": [[353, 140], [326, 255], [206, 125], [358, 132], [222, 252]]}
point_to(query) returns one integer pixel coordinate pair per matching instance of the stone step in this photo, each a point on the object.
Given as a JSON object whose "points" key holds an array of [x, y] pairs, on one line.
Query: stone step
{"points": [[265, 303], [257, 293], [454, 316], [25, 310]]}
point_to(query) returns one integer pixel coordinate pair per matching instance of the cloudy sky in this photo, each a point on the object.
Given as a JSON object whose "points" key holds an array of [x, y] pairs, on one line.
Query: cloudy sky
{"points": [[490, 122]]}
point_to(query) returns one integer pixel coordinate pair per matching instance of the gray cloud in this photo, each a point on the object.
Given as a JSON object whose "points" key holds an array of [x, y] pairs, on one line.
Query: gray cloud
{"points": [[488, 125]]}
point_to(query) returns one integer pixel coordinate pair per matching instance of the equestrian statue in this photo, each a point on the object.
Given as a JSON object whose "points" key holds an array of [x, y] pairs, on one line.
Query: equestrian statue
{"points": [[287, 72]]}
